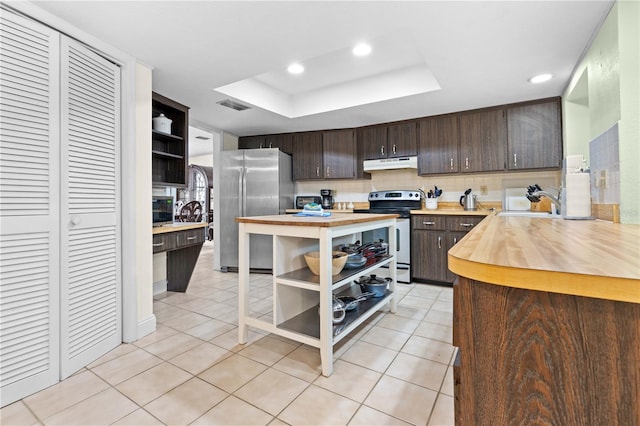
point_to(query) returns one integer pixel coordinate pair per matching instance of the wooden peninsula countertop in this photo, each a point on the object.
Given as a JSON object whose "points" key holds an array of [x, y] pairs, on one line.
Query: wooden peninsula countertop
{"points": [[178, 226], [336, 219], [589, 258]]}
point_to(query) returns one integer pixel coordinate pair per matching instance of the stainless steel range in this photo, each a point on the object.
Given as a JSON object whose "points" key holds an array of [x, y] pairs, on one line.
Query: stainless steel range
{"points": [[399, 202]]}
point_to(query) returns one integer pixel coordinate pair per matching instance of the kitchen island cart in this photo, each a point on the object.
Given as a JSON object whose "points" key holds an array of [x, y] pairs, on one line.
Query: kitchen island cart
{"points": [[302, 301]]}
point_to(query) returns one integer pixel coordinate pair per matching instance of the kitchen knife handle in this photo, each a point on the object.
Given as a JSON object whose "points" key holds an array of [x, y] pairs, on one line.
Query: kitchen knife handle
{"points": [[439, 242]]}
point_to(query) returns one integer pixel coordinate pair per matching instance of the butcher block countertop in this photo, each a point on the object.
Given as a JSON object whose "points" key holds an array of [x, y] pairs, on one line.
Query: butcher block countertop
{"points": [[178, 226], [588, 258], [336, 219]]}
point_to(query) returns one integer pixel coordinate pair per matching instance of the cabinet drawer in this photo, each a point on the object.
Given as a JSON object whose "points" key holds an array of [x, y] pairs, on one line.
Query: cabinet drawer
{"points": [[462, 223], [163, 242], [428, 222], [189, 237]]}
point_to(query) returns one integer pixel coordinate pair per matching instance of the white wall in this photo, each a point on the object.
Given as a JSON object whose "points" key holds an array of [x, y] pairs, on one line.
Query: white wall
{"points": [[144, 238]]}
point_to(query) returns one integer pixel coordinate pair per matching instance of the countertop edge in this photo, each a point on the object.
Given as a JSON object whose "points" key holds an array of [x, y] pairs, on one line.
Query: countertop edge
{"points": [[339, 219], [178, 227], [617, 288]]}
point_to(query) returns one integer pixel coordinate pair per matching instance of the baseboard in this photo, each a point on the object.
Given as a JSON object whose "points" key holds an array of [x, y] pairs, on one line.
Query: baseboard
{"points": [[159, 287], [146, 326]]}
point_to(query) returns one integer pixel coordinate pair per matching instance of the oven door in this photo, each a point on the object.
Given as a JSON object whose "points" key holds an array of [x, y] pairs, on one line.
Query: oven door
{"points": [[403, 247]]}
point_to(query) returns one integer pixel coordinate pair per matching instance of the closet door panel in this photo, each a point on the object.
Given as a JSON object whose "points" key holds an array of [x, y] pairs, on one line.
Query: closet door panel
{"points": [[91, 276], [29, 207]]}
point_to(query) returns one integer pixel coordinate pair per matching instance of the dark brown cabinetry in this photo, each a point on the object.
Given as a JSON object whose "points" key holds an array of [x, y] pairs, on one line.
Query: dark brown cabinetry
{"points": [[307, 156], [324, 155], [169, 152], [534, 136], [183, 248], [396, 140], [251, 142], [438, 145], [535, 357], [431, 238], [283, 141], [483, 138]]}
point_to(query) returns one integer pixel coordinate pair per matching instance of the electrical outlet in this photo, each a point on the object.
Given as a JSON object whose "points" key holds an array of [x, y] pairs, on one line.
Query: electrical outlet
{"points": [[483, 190]]}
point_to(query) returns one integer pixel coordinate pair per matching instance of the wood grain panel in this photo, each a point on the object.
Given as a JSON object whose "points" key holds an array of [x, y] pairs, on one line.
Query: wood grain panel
{"points": [[402, 139], [483, 138], [438, 145], [530, 357]]}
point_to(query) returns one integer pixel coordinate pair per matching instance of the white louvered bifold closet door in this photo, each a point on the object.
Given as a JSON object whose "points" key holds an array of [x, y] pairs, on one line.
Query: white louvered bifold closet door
{"points": [[90, 223], [29, 207]]}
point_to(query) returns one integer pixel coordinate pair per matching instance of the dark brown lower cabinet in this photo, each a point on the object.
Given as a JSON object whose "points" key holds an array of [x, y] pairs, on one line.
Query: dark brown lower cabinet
{"points": [[183, 248], [533, 357]]}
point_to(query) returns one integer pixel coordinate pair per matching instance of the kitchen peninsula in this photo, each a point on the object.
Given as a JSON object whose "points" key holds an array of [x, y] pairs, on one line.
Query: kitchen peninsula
{"points": [[302, 301], [547, 321]]}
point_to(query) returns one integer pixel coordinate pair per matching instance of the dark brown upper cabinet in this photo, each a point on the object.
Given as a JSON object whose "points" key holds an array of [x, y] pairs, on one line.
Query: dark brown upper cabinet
{"points": [[483, 139], [339, 151], [307, 156], [284, 142], [169, 151], [324, 155], [251, 142], [438, 145], [535, 136], [396, 140]]}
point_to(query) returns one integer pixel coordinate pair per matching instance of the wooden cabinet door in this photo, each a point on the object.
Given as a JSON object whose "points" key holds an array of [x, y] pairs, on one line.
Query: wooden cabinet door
{"points": [[339, 154], [402, 140], [429, 255], [438, 145], [483, 138], [534, 136], [284, 142], [452, 239], [251, 142], [374, 142], [307, 156]]}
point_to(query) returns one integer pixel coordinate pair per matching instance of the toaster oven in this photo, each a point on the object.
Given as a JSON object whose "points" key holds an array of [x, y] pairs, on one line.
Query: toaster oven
{"points": [[307, 199]]}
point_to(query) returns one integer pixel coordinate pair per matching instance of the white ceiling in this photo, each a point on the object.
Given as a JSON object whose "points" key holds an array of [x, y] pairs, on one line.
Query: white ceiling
{"points": [[479, 53]]}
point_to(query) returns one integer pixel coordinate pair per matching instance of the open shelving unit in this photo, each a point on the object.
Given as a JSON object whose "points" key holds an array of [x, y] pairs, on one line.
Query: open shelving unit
{"points": [[169, 152], [303, 301]]}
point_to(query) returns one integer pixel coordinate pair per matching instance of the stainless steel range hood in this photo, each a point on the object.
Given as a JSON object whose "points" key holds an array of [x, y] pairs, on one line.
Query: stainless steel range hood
{"points": [[391, 163]]}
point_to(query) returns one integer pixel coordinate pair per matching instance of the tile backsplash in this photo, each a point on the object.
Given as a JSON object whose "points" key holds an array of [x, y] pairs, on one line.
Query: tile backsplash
{"points": [[453, 186], [605, 167]]}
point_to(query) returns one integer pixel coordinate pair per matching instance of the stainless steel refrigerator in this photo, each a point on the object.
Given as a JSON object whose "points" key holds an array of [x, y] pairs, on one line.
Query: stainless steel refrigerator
{"points": [[253, 182]]}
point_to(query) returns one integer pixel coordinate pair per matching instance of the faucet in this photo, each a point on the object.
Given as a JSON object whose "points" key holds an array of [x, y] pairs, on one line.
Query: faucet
{"points": [[534, 193]]}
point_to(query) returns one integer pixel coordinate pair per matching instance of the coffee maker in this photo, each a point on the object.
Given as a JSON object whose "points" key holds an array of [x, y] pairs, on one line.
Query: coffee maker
{"points": [[327, 198]]}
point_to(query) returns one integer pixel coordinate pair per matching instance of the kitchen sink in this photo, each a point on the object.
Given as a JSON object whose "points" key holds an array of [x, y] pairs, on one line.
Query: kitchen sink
{"points": [[522, 213]]}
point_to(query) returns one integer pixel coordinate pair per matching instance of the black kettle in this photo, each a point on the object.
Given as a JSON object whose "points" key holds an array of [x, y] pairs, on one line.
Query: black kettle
{"points": [[468, 200]]}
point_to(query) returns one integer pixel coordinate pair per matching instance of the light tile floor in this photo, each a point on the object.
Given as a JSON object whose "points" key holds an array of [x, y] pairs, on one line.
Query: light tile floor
{"points": [[393, 370]]}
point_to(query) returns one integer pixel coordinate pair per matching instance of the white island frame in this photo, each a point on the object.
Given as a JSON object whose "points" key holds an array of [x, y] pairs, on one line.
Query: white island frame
{"points": [[297, 292]]}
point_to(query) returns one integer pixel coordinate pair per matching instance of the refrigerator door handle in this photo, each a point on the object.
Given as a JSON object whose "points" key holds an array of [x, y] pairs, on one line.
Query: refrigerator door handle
{"points": [[241, 191], [244, 191]]}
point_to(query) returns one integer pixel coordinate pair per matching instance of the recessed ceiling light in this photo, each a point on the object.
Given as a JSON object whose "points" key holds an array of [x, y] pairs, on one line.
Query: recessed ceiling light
{"points": [[295, 69], [540, 78], [362, 49]]}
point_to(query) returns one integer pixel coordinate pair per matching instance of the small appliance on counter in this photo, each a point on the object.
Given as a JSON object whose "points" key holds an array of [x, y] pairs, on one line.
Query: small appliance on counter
{"points": [[327, 198], [576, 189], [301, 200], [468, 200]]}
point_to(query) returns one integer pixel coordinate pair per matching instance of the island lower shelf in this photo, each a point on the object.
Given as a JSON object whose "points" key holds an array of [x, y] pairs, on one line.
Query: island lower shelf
{"points": [[308, 322]]}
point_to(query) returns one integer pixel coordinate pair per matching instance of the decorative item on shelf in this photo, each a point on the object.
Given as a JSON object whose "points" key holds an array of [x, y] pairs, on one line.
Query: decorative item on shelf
{"points": [[162, 124], [431, 199]]}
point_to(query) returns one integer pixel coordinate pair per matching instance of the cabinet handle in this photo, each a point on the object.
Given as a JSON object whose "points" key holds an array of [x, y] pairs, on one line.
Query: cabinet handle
{"points": [[318, 171], [191, 238], [455, 240], [428, 223], [515, 159], [466, 225], [451, 164], [328, 171], [158, 244], [439, 242], [466, 162], [382, 150], [270, 144], [394, 148]]}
